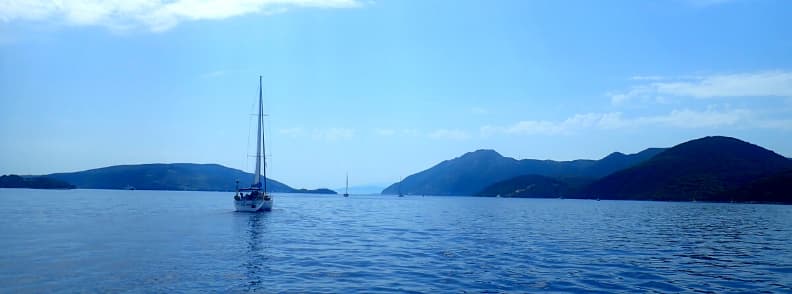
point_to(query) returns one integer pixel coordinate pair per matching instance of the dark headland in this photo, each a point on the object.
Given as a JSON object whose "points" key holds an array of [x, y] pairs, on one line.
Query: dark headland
{"points": [[32, 182], [712, 168], [174, 176]]}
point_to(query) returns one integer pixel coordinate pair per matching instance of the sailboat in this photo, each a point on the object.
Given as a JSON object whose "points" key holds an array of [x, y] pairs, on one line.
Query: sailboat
{"points": [[400, 192], [346, 190], [256, 198]]}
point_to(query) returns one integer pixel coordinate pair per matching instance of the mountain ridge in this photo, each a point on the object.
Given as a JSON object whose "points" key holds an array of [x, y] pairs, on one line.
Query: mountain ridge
{"points": [[700, 169], [712, 168], [32, 182], [473, 171], [169, 176]]}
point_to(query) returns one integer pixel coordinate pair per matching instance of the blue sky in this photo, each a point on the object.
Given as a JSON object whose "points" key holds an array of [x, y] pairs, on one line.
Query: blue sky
{"points": [[384, 89]]}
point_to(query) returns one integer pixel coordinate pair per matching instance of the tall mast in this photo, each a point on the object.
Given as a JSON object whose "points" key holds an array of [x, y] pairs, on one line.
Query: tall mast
{"points": [[261, 133], [346, 191], [257, 175]]}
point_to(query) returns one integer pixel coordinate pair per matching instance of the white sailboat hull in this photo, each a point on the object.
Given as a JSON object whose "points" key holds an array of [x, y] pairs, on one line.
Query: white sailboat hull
{"points": [[256, 199], [253, 205]]}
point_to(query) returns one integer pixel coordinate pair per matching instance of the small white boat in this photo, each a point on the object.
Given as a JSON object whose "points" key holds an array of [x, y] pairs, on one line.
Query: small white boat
{"points": [[256, 198], [346, 190]]}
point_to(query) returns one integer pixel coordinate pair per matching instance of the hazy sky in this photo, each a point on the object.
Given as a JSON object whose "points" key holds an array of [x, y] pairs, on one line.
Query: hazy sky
{"points": [[383, 89]]}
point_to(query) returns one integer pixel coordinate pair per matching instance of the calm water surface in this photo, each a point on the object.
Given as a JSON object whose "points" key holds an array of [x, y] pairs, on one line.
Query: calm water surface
{"points": [[157, 241]]}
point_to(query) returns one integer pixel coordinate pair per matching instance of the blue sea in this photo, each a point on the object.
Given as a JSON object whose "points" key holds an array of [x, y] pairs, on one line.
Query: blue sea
{"points": [[162, 241]]}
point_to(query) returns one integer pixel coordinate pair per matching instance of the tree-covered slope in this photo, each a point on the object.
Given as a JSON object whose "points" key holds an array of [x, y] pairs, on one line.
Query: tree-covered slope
{"points": [[176, 176], [535, 186], [474, 171], [776, 188], [698, 169], [15, 181]]}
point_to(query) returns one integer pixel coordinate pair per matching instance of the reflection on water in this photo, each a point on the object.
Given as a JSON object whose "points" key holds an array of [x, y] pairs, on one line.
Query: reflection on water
{"points": [[255, 266], [179, 241]]}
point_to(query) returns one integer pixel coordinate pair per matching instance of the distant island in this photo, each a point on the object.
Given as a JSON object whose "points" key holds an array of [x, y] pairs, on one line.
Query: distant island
{"points": [[712, 168], [33, 182], [473, 172], [314, 191], [715, 168], [706, 169], [174, 176]]}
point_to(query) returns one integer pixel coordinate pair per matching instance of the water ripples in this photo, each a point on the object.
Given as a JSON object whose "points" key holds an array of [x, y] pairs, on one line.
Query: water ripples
{"points": [[166, 241]]}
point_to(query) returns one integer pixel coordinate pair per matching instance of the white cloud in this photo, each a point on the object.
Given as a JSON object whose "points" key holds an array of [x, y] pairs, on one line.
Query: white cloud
{"points": [[684, 118], [409, 132], [576, 122], [647, 78], [213, 74], [479, 110], [333, 134], [449, 134], [776, 83], [757, 84], [704, 3], [781, 124], [292, 132], [687, 118], [385, 132], [156, 15], [324, 134], [439, 134]]}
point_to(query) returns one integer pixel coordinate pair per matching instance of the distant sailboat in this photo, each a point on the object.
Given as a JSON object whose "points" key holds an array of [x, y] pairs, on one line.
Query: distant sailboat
{"points": [[346, 190], [256, 198], [400, 191]]}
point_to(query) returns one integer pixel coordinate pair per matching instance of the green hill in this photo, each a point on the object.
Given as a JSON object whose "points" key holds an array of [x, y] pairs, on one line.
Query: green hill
{"points": [[474, 171], [15, 181], [776, 188], [535, 186], [702, 169], [175, 176]]}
